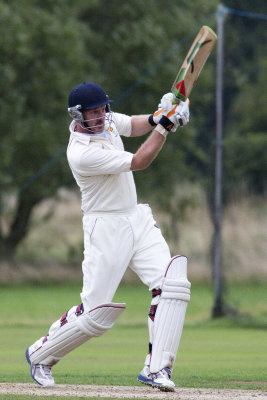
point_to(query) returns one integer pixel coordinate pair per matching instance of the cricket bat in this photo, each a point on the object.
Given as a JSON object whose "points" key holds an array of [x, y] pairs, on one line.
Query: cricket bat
{"points": [[193, 64]]}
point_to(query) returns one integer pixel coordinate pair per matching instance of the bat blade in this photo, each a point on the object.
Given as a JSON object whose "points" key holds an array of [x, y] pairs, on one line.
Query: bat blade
{"points": [[193, 63]]}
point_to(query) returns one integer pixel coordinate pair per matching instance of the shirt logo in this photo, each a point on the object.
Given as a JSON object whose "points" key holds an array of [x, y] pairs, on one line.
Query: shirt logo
{"points": [[113, 131]]}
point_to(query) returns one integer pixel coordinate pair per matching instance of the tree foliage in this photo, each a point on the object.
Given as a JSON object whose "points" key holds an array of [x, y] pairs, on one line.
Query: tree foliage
{"points": [[134, 50], [245, 143], [42, 55]]}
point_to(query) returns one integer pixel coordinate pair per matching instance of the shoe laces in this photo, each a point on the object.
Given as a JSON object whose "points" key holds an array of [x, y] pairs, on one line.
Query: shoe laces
{"points": [[166, 372]]}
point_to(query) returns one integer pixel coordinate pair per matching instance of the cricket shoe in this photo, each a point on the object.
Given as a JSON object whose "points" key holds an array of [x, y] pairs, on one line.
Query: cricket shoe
{"points": [[41, 374], [160, 380]]}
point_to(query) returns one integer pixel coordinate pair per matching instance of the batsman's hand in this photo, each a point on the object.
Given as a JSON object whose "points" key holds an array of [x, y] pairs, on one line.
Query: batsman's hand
{"points": [[155, 118], [166, 102], [164, 106], [176, 115]]}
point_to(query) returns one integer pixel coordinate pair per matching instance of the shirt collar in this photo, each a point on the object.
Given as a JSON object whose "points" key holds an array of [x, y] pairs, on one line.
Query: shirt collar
{"points": [[86, 137]]}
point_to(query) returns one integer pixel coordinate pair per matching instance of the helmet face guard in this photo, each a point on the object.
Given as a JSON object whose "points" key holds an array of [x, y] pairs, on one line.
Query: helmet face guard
{"points": [[88, 96], [76, 114]]}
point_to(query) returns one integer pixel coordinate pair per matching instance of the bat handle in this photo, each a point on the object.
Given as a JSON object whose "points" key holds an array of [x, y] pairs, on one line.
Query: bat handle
{"points": [[175, 100]]}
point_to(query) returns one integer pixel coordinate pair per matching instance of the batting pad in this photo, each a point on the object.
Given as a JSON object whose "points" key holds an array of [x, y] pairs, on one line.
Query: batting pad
{"points": [[170, 315], [74, 331]]}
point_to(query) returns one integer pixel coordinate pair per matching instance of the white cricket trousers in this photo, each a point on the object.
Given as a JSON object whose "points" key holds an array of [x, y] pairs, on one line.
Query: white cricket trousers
{"points": [[112, 242]]}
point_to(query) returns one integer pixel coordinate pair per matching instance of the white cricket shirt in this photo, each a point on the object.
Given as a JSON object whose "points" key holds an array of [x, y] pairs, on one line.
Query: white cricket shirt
{"points": [[101, 168]]}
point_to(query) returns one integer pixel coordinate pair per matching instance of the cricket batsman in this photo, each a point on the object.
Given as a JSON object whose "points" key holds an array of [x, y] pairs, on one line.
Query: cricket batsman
{"points": [[118, 233]]}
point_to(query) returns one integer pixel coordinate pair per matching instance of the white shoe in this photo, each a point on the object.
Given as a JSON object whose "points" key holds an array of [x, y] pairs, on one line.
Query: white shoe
{"points": [[41, 374], [161, 379], [145, 376]]}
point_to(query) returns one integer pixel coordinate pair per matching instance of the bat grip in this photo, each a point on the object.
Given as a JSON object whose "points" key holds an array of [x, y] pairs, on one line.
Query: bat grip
{"points": [[175, 100]]}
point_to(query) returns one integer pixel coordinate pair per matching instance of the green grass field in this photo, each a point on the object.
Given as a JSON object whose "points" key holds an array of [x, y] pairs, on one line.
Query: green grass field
{"points": [[222, 353]]}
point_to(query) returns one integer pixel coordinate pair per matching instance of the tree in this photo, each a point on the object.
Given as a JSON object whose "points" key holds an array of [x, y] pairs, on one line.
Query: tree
{"points": [[245, 87], [42, 54]]}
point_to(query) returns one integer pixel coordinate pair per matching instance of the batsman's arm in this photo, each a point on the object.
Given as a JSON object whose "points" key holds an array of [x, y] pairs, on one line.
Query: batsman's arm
{"points": [[148, 150], [140, 125], [177, 115]]}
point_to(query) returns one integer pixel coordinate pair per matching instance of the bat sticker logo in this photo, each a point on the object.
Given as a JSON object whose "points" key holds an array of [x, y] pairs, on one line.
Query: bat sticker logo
{"points": [[191, 57], [206, 42]]}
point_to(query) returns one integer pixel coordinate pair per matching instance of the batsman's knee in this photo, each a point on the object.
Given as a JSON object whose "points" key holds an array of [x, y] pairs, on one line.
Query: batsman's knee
{"points": [[100, 319], [74, 328], [175, 284]]}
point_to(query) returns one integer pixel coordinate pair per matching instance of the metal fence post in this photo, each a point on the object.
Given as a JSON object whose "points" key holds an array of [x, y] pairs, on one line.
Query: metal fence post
{"points": [[217, 242]]}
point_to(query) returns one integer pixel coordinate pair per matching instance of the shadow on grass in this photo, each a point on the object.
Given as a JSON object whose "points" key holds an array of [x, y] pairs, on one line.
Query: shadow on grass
{"points": [[231, 318], [244, 320]]}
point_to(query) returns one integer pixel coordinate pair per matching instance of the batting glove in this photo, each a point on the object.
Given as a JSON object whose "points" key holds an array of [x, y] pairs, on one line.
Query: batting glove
{"points": [[176, 117], [164, 106]]}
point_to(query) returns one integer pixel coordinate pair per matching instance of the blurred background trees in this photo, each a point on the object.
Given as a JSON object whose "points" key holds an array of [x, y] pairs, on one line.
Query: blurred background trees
{"points": [[133, 49]]}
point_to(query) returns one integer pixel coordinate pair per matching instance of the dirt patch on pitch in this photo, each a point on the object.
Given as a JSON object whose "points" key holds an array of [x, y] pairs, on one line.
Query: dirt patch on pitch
{"points": [[130, 392]]}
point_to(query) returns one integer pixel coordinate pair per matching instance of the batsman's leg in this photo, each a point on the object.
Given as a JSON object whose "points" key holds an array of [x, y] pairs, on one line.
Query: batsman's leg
{"points": [[166, 320], [74, 328]]}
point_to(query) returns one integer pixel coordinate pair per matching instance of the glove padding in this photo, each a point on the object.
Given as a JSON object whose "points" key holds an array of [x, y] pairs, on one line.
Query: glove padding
{"points": [[166, 102], [165, 105], [176, 116]]}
